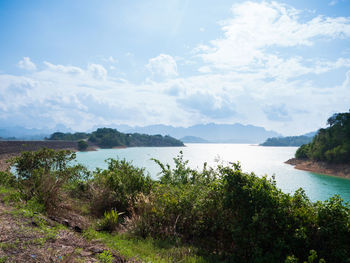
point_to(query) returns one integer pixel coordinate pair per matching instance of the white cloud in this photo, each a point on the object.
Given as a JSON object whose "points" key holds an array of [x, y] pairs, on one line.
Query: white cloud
{"points": [[26, 64], [71, 96], [98, 71], [252, 74], [204, 69], [64, 69], [162, 65], [110, 60], [258, 26]]}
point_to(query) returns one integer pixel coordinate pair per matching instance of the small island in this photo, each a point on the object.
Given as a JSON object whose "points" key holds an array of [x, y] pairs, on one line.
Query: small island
{"points": [[329, 151], [111, 138]]}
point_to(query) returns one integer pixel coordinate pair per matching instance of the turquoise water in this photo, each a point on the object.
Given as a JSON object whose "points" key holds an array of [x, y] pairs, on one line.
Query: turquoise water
{"points": [[260, 160]]}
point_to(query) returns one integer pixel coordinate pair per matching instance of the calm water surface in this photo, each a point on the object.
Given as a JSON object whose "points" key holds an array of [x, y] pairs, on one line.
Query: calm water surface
{"points": [[260, 160]]}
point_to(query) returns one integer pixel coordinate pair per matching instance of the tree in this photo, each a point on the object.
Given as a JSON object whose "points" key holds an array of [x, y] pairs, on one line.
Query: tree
{"points": [[82, 145]]}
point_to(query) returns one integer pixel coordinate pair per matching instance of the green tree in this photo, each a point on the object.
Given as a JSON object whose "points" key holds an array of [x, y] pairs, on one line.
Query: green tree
{"points": [[82, 145]]}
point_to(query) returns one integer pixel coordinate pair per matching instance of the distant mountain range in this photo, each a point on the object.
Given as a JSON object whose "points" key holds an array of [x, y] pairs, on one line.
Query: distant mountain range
{"points": [[218, 133], [214, 133], [22, 133]]}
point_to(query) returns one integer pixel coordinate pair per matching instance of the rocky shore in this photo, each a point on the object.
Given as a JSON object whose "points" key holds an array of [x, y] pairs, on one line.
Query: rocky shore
{"points": [[341, 170]]}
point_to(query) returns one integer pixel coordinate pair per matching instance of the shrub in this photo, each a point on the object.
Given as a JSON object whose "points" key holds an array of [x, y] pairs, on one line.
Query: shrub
{"points": [[42, 175], [105, 257], [82, 145], [7, 179], [241, 217], [109, 221], [118, 186]]}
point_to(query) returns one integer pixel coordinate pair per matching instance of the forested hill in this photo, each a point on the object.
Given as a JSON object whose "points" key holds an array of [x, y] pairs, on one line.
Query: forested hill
{"points": [[287, 141], [108, 138], [332, 144]]}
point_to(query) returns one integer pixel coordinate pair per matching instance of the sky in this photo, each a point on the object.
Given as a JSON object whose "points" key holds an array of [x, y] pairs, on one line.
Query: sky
{"points": [[283, 65]]}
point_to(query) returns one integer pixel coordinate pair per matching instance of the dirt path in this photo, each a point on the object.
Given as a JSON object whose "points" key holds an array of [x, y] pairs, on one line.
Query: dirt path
{"points": [[23, 240]]}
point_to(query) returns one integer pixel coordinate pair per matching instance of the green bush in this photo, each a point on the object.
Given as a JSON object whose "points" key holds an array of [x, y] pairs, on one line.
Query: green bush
{"points": [[82, 145], [105, 257], [7, 179], [230, 215], [241, 217], [109, 221], [118, 186], [43, 174]]}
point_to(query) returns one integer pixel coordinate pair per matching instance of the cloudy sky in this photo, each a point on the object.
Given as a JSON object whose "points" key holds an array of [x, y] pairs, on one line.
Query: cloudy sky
{"points": [[283, 65]]}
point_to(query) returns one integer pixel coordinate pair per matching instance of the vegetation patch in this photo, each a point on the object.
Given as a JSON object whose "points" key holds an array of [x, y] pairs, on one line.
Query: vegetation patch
{"points": [[108, 138], [331, 145], [210, 215]]}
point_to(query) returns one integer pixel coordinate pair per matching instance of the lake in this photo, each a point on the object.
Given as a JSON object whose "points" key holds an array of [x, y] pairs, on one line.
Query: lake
{"points": [[260, 160]]}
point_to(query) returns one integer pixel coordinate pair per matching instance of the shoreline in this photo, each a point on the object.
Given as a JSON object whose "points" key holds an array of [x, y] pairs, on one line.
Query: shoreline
{"points": [[339, 170]]}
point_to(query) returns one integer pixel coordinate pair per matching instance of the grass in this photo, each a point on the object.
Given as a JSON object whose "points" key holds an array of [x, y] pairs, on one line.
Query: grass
{"points": [[148, 250], [9, 195]]}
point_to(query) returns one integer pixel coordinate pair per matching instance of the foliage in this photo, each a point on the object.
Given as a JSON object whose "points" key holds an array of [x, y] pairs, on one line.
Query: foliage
{"points": [[110, 220], [82, 145], [220, 213], [108, 138], [118, 186], [303, 152], [46, 159], [105, 257], [287, 141], [241, 217], [68, 136], [332, 144], [42, 175], [7, 179]]}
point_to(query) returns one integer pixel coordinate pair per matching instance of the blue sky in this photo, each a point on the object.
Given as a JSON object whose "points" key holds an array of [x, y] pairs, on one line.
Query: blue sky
{"points": [[284, 65]]}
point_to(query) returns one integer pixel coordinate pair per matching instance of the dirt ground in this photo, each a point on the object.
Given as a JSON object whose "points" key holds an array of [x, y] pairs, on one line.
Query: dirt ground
{"points": [[3, 158], [22, 240]]}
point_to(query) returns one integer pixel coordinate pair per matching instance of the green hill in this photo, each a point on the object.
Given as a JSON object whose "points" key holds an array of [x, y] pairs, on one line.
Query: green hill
{"points": [[332, 144], [287, 141], [108, 138]]}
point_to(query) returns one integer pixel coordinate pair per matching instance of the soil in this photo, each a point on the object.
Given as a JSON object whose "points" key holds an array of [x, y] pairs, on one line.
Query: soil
{"points": [[4, 166], [21, 240], [341, 170]]}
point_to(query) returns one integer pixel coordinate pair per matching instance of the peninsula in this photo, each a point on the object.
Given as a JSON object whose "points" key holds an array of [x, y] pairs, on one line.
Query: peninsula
{"points": [[329, 151]]}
